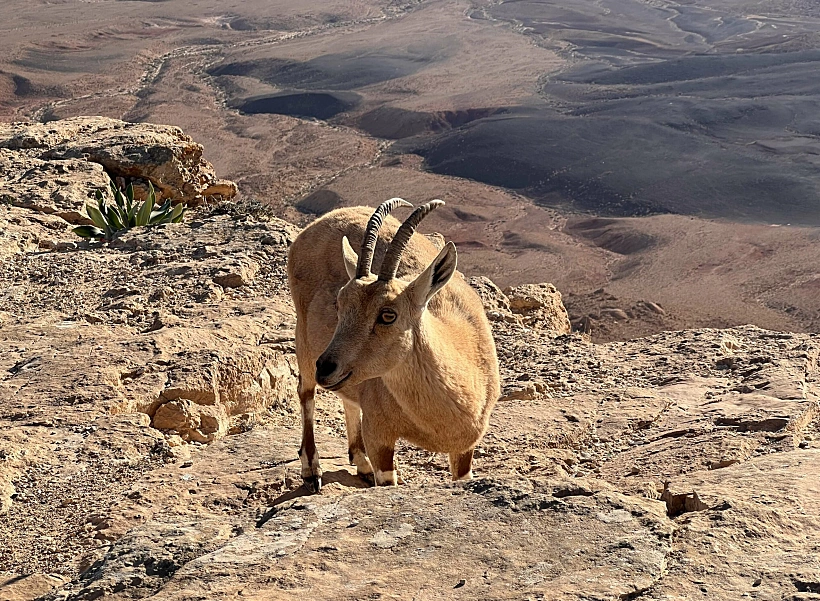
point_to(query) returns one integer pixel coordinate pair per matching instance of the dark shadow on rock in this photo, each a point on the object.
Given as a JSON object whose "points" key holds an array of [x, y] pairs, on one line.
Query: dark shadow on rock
{"points": [[342, 477]]}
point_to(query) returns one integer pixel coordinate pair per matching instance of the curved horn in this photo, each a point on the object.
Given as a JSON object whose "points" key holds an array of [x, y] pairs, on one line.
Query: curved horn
{"points": [[371, 234], [390, 265]]}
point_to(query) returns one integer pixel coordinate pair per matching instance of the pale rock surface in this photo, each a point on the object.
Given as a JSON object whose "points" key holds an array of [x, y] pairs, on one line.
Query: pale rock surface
{"points": [[540, 306], [149, 432], [536, 306], [23, 588], [60, 188], [496, 303], [161, 154], [22, 230]]}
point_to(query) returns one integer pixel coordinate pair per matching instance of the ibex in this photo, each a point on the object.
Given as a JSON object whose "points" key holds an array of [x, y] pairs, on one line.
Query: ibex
{"points": [[409, 351]]}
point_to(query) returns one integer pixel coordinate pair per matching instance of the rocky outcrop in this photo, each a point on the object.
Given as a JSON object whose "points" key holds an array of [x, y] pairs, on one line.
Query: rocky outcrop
{"points": [[58, 188], [536, 306], [491, 538], [56, 166], [160, 283], [126, 295], [24, 231], [540, 306], [496, 303], [149, 430]]}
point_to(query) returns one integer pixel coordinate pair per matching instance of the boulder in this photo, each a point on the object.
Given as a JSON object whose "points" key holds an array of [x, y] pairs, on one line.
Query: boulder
{"points": [[541, 307], [161, 154], [496, 304], [60, 187], [537, 306], [237, 274], [197, 423]]}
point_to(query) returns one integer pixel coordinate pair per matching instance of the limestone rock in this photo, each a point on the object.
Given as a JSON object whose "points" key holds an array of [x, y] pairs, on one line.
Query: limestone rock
{"points": [[24, 231], [205, 390], [240, 273], [617, 547], [491, 295], [680, 503], [496, 303], [161, 154], [60, 187], [223, 188], [28, 587], [540, 305], [199, 423], [534, 305]]}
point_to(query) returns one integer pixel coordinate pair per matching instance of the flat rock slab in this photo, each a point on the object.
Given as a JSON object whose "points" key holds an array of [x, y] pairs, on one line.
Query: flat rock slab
{"points": [[759, 539], [490, 539], [60, 188], [30, 586]]}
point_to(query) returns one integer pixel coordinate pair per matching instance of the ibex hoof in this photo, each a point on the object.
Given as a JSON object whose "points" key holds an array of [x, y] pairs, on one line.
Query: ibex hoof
{"points": [[387, 478], [313, 484], [369, 479]]}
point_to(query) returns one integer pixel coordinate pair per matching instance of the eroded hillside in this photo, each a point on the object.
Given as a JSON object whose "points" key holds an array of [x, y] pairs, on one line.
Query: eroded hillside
{"points": [[578, 117], [149, 427]]}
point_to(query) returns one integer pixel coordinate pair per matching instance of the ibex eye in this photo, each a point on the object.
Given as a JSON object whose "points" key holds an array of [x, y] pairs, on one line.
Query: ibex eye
{"points": [[387, 316]]}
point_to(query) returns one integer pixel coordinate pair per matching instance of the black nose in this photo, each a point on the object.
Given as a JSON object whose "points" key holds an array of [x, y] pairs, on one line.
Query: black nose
{"points": [[324, 368]]}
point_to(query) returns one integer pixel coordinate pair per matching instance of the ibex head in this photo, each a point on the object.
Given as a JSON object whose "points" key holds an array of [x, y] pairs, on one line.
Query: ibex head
{"points": [[377, 316]]}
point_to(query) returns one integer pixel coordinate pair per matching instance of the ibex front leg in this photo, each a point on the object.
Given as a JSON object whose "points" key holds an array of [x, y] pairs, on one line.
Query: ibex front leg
{"points": [[311, 470], [380, 442], [355, 444]]}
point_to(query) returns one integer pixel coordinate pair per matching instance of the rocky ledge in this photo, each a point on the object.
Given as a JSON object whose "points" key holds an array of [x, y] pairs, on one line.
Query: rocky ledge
{"points": [[149, 427], [55, 167]]}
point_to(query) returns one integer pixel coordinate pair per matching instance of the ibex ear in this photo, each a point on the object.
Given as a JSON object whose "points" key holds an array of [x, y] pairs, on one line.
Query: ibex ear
{"points": [[434, 278], [350, 257]]}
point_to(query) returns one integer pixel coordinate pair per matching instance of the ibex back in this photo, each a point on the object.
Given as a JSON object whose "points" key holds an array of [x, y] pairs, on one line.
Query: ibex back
{"points": [[409, 351]]}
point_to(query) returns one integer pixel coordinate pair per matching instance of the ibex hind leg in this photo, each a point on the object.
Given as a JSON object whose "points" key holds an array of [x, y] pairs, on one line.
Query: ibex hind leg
{"points": [[461, 465], [355, 443], [311, 470]]}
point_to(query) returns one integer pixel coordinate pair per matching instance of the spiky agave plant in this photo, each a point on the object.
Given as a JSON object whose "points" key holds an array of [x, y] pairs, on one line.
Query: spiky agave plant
{"points": [[125, 213]]}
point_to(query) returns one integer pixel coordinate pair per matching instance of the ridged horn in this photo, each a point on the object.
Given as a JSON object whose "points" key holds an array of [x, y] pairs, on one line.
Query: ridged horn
{"points": [[390, 265], [371, 234]]}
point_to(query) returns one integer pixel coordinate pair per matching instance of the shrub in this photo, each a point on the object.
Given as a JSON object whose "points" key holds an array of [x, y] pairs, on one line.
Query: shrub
{"points": [[111, 218]]}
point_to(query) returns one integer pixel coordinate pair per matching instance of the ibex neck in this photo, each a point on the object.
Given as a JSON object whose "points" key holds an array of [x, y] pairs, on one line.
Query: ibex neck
{"points": [[437, 383]]}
